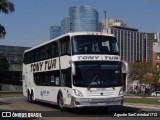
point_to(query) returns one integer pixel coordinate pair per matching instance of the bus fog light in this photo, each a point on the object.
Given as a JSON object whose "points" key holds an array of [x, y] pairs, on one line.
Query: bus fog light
{"points": [[77, 103], [77, 92]]}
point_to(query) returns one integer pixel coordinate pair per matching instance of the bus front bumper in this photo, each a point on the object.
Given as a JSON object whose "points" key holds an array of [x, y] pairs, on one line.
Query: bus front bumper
{"points": [[96, 102]]}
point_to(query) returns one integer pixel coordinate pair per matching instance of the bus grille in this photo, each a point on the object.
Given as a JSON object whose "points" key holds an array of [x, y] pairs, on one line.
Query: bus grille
{"points": [[101, 93]]}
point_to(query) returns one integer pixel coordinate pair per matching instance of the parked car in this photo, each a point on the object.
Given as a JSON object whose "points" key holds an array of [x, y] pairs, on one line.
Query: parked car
{"points": [[155, 93]]}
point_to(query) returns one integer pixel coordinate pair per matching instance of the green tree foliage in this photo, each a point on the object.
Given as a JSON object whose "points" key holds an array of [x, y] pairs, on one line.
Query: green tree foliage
{"points": [[4, 65], [6, 7], [143, 71]]}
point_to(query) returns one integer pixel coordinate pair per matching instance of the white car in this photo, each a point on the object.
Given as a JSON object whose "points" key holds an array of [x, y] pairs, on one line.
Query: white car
{"points": [[155, 93]]}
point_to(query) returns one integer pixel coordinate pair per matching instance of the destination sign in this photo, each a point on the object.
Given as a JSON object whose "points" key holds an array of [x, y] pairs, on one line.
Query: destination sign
{"points": [[96, 57]]}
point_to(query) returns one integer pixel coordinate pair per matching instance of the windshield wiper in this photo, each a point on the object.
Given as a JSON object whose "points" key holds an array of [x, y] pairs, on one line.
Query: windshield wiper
{"points": [[92, 83]]}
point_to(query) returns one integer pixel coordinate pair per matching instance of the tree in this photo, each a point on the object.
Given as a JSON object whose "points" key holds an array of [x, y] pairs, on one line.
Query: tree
{"points": [[143, 71], [6, 7]]}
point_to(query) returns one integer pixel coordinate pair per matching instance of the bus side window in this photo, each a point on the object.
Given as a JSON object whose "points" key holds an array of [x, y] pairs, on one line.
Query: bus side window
{"points": [[65, 46], [25, 58], [52, 82], [28, 57], [42, 53], [56, 49], [66, 77], [49, 50]]}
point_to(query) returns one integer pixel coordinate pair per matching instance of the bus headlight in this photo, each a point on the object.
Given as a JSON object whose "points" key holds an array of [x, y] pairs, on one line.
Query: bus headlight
{"points": [[121, 92], [77, 92]]}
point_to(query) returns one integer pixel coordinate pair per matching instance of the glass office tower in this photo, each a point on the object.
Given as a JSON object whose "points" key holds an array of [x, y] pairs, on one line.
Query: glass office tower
{"points": [[65, 25], [55, 31], [83, 18]]}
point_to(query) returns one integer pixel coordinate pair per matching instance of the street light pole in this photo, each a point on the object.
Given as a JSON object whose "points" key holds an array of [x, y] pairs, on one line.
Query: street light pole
{"points": [[105, 21]]}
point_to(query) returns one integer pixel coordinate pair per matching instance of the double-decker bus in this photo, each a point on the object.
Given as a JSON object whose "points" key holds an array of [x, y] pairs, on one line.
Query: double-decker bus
{"points": [[79, 69]]}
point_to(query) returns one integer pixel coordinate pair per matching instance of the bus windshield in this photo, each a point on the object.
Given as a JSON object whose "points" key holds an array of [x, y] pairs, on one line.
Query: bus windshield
{"points": [[97, 74], [94, 44]]}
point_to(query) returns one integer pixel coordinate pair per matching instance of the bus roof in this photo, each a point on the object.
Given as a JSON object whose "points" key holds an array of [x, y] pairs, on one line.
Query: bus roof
{"points": [[69, 34]]}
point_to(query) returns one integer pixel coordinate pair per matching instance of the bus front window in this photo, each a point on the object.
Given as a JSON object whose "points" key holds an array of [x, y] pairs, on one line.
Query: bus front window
{"points": [[97, 74], [88, 44]]}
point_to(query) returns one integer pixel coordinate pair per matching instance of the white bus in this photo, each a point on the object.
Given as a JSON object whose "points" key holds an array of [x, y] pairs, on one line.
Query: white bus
{"points": [[80, 69]]}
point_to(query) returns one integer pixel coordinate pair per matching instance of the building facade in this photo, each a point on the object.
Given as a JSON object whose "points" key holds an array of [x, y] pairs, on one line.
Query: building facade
{"points": [[83, 18], [14, 57], [55, 31], [65, 25], [150, 39], [131, 42], [156, 57]]}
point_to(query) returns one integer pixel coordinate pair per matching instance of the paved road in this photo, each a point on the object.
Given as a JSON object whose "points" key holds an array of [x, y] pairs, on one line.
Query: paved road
{"points": [[48, 111]]}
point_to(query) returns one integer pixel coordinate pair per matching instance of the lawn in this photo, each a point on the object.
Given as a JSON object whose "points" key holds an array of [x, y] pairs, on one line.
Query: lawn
{"points": [[8, 94], [142, 100]]}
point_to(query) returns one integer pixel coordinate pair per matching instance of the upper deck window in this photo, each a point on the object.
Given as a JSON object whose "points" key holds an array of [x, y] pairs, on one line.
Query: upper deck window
{"points": [[94, 44]]}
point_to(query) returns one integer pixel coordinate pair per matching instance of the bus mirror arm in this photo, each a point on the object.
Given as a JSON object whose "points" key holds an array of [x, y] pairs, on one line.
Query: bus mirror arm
{"points": [[73, 69]]}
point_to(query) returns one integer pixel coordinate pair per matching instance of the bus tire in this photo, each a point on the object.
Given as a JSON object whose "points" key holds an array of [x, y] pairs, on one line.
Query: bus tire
{"points": [[28, 96], [32, 97], [60, 102]]}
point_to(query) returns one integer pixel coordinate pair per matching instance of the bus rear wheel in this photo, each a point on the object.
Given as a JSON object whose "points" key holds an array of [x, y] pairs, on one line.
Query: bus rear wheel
{"points": [[28, 96], [32, 97]]}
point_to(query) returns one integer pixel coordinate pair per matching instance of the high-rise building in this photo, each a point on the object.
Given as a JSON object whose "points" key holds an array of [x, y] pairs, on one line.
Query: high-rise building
{"points": [[83, 18], [65, 25], [55, 31], [156, 57], [150, 39], [131, 42], [157, 36], [112, 22]]}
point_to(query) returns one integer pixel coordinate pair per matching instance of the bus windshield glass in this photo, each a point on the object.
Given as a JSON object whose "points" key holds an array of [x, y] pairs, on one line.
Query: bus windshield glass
{"points": [[97, 74], [94, 44]]}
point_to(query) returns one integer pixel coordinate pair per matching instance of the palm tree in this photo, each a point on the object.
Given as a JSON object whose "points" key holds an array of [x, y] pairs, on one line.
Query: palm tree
{"points": [[6, 7]]}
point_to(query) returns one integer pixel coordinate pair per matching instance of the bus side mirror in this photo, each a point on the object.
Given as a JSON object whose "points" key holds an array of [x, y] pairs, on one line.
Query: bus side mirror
{"points": [[125, 67], [73, 68]]}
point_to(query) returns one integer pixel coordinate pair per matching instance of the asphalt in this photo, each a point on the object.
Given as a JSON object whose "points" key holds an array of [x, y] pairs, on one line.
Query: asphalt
{"points": [[136, 105]]}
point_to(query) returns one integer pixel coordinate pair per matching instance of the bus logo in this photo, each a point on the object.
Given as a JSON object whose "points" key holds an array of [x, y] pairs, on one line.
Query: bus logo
{"points": [[101, 93]]}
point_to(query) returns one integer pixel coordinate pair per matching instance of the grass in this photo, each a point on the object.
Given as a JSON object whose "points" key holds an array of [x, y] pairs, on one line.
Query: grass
{"points": [[139, 95], [8, 94], [141, 100]]}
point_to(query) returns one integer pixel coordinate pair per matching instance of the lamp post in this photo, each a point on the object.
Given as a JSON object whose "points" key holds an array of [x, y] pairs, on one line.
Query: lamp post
{"points": [[105, 21]]}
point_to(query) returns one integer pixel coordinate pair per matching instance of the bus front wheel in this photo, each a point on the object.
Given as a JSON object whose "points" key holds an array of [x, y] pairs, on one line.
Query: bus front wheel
{"points": [[60, 102]]}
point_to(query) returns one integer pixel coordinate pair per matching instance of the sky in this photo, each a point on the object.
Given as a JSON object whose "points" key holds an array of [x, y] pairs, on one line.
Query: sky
{"points": [[30, 24]]}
